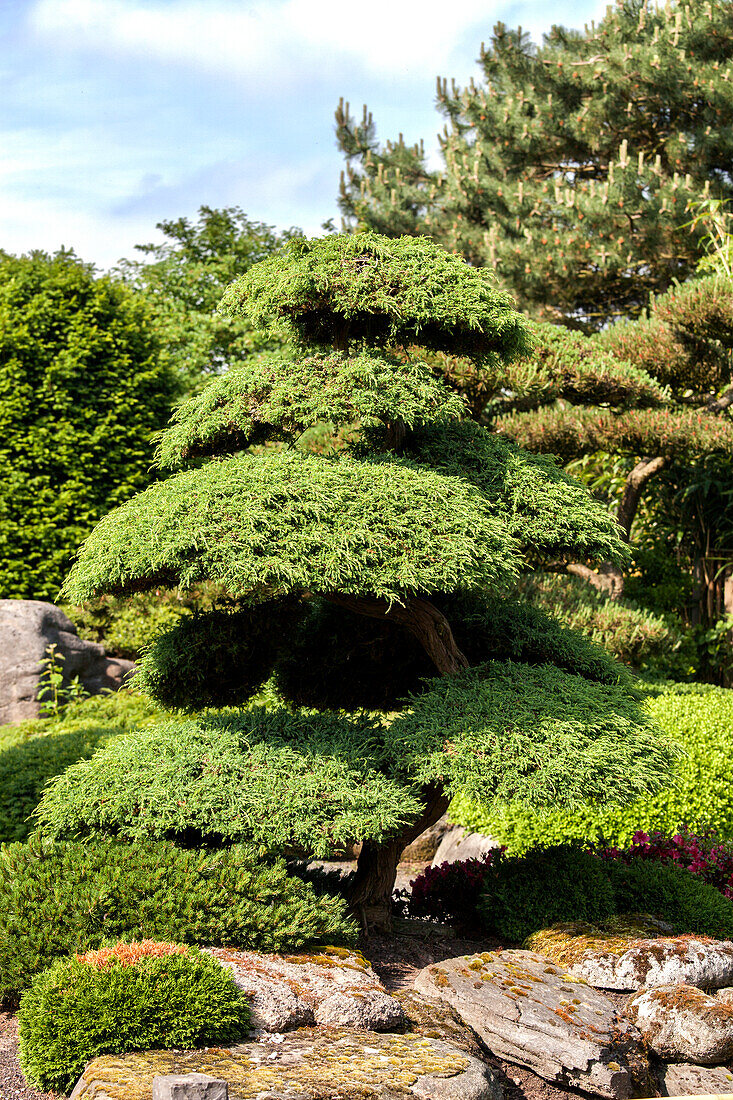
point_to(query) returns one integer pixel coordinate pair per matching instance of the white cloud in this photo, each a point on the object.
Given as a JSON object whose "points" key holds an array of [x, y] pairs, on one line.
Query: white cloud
{"points": [[278, 40]]}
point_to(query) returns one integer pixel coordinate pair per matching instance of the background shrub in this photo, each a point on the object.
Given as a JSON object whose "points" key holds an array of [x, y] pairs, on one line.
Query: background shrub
{"points": [[672, 894], [83, 385], [648, 641], [700, 719], [704, 855], [125, 626], [512, 898], [33, 752], [80, 1008], [59, 898]]}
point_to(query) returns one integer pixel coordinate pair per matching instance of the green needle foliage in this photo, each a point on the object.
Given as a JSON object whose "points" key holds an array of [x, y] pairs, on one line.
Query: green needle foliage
{"points": [[418, 508], [83, 386], [312, 781], [288, 522], [57, 899], [369, 290], [571, 165], [284, 397]]}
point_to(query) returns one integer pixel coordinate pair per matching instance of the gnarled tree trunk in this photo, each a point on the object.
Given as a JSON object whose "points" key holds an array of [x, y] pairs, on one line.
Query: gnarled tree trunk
{"points": [[371, 891], [422, 618], [370, 895]]}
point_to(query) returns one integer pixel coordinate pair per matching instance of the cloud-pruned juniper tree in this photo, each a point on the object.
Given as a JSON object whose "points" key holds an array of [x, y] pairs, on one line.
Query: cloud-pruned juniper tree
{"points": [[357, 578]]}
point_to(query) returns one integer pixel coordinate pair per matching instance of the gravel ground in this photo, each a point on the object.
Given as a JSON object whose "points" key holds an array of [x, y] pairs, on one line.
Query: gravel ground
{"points": [[12, 1081]]}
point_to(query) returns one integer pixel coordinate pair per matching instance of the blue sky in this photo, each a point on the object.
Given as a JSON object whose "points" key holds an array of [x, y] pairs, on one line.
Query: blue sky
{"points": [[119, 113]]}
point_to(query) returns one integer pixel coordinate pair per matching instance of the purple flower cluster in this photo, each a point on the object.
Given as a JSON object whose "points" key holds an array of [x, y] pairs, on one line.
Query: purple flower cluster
{"points": [[705, 855]]}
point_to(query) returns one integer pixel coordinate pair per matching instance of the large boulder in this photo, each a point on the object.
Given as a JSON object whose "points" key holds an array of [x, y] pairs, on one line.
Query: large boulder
{"points": [[334, 988], [27, 629], [457, 844], [426, 845], [621, 958], [650, 963], [530, 1012], [306, 1065], [684, 1079], [681, 1023]]}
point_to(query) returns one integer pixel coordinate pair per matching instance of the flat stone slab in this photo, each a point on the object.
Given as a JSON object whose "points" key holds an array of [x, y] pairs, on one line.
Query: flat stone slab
{"points": [[333, 988], [306, 1065], [530, 1012], [189, 1086], [681, 1023], [665, 961], [684, 1079]]}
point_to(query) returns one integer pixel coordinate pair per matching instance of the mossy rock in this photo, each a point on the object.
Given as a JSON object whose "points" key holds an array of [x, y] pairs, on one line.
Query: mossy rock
{"points": [[307, 1063], [437, 1020], [566, 943]]}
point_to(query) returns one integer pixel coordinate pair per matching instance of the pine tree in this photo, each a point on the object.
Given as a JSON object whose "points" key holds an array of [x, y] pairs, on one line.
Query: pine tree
{"points": [[657, 390], [370, 583], [571, 166]]}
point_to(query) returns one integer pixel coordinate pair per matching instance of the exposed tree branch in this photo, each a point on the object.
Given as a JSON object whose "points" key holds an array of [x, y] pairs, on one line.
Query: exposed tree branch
{"points": [[720, 404], [609, 578], [421, 618], [635, 483]]}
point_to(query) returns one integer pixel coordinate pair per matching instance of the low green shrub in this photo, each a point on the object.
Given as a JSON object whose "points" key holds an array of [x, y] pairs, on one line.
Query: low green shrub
{"points": [[514, 897], [59, 898], [114, 712], [700, 794], [672, 894], [547, 885], [82, 1007]]}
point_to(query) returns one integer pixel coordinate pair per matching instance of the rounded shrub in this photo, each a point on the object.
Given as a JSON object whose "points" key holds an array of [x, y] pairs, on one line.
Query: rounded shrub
{"points": [[671, 893], [547, 885], [59, 898], [512, 898], [699, 796], [138, 998]]}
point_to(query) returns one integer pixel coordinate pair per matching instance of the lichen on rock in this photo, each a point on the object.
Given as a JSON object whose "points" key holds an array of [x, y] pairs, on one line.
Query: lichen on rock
{"points": [[307, 1064], [533, 1014], [618, 956], [334, 988], [682, 1023]]}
